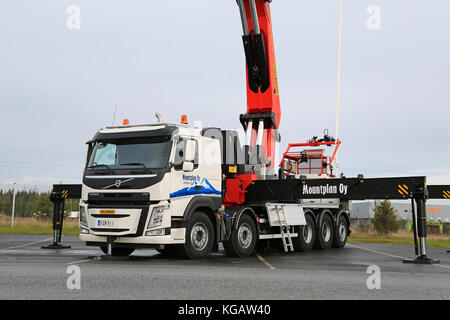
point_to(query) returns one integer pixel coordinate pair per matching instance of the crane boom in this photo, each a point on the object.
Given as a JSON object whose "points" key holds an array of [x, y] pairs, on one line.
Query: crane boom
{"points": [[262, 119]]}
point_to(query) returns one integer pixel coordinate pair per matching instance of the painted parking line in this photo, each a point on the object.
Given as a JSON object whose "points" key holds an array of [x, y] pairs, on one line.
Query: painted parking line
{"points": [[271, 267], [80, 261], [27, 244], [377, 252], [391, 255]]}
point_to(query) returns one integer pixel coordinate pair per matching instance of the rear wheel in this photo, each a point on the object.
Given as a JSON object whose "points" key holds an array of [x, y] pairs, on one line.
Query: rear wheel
{"points": [[325, 233], [306, 235], [118, 252], [242, 239], [341, 232], [199, 237]]}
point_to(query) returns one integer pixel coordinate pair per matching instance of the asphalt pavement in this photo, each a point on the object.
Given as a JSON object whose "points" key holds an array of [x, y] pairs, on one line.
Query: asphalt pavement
{"points": [[29, 272]]}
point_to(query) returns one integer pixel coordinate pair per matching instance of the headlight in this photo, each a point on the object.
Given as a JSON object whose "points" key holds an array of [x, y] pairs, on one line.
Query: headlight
{"points": [[156, 218], [83, 216]]}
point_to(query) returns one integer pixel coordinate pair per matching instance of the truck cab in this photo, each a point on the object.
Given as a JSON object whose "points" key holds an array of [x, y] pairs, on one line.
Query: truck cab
{"points": [[141, 183]]}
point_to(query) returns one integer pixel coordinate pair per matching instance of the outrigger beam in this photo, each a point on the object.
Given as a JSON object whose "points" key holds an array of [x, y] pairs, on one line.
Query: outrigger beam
{"points": [[392, 188]]}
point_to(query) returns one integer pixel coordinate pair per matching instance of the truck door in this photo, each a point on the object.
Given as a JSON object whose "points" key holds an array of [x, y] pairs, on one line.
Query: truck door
{"points": [[185, 171]]}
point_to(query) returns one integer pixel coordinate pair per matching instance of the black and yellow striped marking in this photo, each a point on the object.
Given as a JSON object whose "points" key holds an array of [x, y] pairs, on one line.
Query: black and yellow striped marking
{"points": [[446, 194], [64, 194], [403, 189]]}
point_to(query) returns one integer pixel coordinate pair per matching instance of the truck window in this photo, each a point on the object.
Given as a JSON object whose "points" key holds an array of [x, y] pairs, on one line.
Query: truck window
{"points": [[135, 154], [180, 153], [106, 154]]}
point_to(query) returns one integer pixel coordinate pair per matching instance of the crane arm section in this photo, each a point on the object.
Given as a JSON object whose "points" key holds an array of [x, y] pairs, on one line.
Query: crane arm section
{"points": [[262, 118]]}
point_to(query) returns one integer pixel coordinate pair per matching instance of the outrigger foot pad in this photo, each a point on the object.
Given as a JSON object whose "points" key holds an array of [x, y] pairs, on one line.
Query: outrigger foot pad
{"points": [[55, 246], [422, 260], [113, 258]]}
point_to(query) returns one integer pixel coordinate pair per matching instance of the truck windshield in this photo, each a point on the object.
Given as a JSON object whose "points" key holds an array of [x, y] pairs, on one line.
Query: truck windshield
{"points": [[145, 153]]}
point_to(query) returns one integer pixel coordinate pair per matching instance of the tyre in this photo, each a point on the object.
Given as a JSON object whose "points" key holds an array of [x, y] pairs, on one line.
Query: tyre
{"points": [[341, 232], [118, 252], [306, 235], [199, 238], [242, 239], [325, 233]]}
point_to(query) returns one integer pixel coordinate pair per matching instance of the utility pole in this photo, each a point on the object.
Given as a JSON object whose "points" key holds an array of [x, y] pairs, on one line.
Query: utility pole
{"points": [[13, 205], [338, 80]]}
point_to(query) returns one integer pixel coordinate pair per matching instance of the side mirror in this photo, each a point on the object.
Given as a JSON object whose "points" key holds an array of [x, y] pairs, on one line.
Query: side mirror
{"points": [[188, 166], [189, 154]]}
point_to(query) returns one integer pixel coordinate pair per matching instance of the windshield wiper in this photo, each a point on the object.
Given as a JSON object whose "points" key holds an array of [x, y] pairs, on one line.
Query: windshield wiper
{"points": [[99, 165], [133, 164]]}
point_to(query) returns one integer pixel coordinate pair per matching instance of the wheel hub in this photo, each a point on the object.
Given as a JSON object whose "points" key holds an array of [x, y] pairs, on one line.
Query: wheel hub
{"points": [[342, 232], [245, 235], [326, 232], [307, 233], [199, 236]]}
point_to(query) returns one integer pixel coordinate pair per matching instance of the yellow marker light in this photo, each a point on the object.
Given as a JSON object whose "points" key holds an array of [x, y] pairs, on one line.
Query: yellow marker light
{"points": [[107, 211], [232, 169]]}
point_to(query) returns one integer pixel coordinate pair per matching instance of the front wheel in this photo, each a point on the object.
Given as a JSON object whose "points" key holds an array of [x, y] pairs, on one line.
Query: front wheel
{"points": [[242, 239], [199, 237]]}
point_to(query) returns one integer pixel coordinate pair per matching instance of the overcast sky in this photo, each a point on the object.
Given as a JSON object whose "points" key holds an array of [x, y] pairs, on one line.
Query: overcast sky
{"points": [[59, 86]]}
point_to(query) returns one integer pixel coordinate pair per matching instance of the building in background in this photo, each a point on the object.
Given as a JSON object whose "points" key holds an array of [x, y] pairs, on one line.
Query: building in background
{"points": [[438, 216]]}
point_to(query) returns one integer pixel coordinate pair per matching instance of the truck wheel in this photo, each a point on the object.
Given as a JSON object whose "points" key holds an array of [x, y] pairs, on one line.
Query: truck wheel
{"points": [[341, 233], [324, 234], [242, 239], [118, 252], [306, 235], [199, 237]]}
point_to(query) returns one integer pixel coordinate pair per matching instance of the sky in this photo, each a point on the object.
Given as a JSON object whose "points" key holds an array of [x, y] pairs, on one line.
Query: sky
{"points": [[59, 84]]}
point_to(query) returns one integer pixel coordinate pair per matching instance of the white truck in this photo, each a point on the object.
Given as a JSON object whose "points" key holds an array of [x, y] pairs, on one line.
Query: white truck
{"points": [[164, 186]]}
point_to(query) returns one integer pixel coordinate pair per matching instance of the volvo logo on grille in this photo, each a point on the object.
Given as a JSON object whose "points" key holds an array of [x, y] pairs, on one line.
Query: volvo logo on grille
{"points": [[118, 183]]}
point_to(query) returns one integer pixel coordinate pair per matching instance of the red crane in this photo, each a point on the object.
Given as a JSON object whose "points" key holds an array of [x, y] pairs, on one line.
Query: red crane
{"points": [[263, 115]]}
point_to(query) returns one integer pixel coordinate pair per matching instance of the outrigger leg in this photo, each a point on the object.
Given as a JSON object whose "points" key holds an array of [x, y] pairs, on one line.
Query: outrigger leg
{"points": [[420, 230], [58, 200]]}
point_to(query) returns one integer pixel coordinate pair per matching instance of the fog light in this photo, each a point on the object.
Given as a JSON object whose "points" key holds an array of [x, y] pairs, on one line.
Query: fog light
{"points": [[84, 231], [159, 232]]}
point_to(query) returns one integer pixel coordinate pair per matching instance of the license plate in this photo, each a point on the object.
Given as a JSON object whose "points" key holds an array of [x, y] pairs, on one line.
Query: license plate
{"points": [[107, 211], [105, 223]]}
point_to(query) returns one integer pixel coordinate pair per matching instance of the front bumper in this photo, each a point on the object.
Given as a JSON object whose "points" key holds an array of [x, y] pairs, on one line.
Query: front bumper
{"points": [[176, 236], [129, 223]]}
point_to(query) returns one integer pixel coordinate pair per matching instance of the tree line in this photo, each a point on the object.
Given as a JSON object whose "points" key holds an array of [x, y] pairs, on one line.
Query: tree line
{"points": [[31, 203]]}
